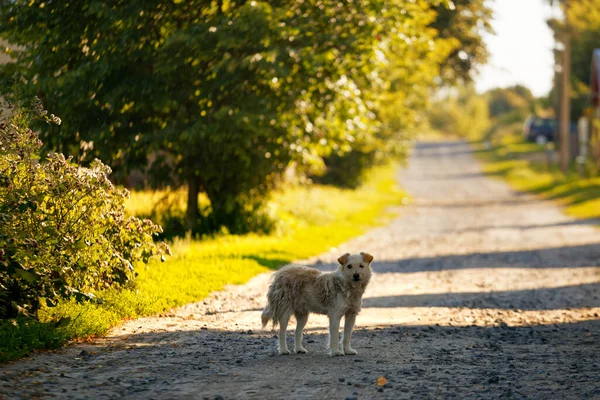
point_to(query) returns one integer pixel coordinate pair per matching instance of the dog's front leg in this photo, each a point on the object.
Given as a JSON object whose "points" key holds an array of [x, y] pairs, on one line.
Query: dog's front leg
{"points": [[334, 335], [349, 320]]}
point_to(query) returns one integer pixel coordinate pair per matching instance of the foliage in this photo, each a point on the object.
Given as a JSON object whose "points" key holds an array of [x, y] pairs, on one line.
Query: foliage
{"points": [[512, 99], [410, 63], [230, 93], [474, 116], [317, 217], [63, 231], [584, 15], [18, 337], [464, 22], [464, 114], [346, 171]]}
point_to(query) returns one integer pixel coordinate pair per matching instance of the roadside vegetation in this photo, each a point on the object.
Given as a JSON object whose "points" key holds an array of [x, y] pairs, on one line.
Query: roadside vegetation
{"points": [[494, 123], [523, 165]]}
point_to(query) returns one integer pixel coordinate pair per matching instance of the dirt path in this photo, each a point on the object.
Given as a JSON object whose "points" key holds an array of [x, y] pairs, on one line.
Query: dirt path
{"points": [[479, 293]]}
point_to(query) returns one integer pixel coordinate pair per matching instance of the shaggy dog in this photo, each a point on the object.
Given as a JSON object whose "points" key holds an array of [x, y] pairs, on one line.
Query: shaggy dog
{"points": [[300, 290]]}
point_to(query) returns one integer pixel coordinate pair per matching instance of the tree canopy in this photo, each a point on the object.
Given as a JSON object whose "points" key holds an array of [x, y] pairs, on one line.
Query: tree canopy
{"points": [[464, 22], [227, 94]]}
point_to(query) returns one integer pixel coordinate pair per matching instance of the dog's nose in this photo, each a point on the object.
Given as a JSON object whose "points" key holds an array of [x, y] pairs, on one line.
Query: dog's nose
{"points": [[356, 277]]}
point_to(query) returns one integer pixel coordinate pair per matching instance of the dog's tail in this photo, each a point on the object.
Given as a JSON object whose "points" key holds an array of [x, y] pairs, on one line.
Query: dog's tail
{"points": [[266, 316], [277, 300]]}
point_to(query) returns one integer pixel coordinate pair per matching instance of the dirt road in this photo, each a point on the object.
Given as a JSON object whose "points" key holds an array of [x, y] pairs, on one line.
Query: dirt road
{"points": [[479, 292]]}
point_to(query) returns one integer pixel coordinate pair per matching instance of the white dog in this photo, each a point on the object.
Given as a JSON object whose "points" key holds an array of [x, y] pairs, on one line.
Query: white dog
{"points": [[300, 290]]}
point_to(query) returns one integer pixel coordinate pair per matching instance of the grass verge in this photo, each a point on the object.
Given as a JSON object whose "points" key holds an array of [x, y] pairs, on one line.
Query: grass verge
{"points": [[522, 165], [314, 219]]}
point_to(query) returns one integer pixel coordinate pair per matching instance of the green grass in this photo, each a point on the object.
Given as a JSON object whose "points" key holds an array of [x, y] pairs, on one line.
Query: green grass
{"points": [[312, 219], [511, 160]]}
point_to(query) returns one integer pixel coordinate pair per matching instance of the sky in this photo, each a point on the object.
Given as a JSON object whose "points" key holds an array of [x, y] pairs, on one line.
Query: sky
{"points": [[521, 50]]}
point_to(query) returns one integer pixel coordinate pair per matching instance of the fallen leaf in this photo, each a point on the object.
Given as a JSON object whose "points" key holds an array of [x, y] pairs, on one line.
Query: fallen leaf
{"points": [[381, 381]]}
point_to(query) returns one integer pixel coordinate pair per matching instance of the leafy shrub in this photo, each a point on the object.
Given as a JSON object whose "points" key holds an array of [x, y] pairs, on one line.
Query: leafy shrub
{"points": [[465, 114], [63, 229], [348, 170]]}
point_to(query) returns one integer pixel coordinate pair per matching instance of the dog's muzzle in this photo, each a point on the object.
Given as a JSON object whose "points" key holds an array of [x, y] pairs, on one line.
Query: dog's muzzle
{"points": [[356, 277]]}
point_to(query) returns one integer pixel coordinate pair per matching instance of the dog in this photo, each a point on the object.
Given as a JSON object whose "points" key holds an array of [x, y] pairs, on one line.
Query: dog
{"points": [[299, 290]]}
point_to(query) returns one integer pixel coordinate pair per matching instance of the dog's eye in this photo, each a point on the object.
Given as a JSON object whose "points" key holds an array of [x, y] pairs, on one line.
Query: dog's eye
{"points": [[349, 266], [362, 266]]}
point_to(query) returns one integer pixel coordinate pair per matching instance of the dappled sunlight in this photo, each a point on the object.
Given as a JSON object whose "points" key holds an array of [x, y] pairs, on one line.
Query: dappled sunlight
{"points": [[370, 317]]}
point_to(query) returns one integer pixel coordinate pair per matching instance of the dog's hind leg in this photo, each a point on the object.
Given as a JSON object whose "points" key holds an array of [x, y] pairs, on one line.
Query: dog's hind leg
{"points": [[349, 320], [283, 322], [334, 335], [300, 324]]}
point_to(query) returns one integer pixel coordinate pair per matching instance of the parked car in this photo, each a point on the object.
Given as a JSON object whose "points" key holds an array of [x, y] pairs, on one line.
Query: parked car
{"points": [[543, 130]]}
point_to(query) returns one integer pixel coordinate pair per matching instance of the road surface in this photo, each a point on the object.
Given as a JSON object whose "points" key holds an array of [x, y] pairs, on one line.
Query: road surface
{"points": [[479, 292]]}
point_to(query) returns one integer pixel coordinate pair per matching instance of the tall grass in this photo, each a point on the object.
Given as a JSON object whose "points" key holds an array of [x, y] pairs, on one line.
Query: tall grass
{"points": [[512, 159]]}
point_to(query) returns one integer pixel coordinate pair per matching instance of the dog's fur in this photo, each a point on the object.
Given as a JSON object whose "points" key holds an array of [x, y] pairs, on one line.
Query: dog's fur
{"points": [[298, 290]]}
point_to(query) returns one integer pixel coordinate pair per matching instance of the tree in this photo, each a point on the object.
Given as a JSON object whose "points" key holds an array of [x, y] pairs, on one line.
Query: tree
{"points": [[517, 98], [584, 23], [463, 22], [230, 92]]}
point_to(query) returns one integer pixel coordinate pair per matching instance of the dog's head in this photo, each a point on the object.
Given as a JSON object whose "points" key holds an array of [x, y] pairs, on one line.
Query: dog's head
{"points": [[356, 268]]}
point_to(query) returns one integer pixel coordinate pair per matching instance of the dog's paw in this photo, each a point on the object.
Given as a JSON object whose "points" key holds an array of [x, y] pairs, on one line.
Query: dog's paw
{"points": [[350, 352], [300, 350], [284, 352], [334, 353]]}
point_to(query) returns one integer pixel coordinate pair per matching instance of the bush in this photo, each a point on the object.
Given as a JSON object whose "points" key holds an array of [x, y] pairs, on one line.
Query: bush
{"points": [[63, 230], [348, 170], [464, 114]]}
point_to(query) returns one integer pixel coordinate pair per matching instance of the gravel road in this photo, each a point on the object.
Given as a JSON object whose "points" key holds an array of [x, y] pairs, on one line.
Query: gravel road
{"points": [[478, 292]]}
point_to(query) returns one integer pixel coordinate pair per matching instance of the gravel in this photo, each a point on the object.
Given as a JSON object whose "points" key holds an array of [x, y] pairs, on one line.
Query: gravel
{"points": [[479, 292]]}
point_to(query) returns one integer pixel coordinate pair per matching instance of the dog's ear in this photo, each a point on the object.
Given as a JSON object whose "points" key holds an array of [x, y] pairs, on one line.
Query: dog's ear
{"points": [[343, 259], [367, 257]]}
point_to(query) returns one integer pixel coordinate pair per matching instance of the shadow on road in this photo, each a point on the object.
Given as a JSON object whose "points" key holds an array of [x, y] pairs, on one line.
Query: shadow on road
{"points": [[543, 361], [577, 222], [587, 255], [560, 298]]}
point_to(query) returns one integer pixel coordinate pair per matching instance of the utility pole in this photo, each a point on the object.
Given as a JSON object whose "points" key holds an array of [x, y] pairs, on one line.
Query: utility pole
{"points": [[565, 101]]}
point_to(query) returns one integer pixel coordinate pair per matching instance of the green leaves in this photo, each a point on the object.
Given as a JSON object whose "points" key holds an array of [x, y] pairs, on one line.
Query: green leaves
{"points": [[63, 231], [231, 94], [27, 276], [461, 23]]}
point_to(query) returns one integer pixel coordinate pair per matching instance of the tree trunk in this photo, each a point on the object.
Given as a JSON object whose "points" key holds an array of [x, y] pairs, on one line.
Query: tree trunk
{"points": [[192, 213]]}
